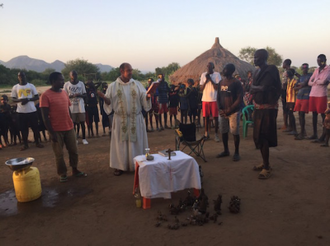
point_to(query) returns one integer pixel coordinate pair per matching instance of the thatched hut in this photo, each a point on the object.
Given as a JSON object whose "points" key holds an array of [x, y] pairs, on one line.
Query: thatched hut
{"points": [[219, 56]]}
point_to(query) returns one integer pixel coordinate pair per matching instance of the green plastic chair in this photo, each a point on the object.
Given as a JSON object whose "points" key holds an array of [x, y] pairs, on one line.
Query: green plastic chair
{"points": [[247, 118]]}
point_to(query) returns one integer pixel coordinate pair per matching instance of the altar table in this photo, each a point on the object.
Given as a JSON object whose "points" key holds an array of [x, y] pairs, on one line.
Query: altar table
{"points": [[160, 177]]}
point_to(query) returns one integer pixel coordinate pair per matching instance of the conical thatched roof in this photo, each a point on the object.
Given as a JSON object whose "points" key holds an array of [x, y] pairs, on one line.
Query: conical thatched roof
{"points": [[219, 56]]}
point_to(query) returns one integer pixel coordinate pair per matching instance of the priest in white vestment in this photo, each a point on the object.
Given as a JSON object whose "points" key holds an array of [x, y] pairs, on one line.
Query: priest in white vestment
{"points": [[126, 97]]}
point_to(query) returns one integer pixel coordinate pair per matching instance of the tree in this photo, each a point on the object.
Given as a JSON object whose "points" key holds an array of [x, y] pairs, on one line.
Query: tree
{"points": [[171, 68], [167, 71], [48, 71], [45, 74], [7, 77], [104, 76], [247, 54], [159, 70], [138, 75], [273, 57], [32, 75], [81, 67], [150, 75], [113, 74]]}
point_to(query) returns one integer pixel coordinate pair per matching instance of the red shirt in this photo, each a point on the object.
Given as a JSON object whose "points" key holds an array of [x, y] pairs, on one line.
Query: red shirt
{"points": [[58, 104]]}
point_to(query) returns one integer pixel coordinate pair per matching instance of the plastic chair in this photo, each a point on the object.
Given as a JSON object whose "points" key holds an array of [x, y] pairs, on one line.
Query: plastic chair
{"points": [[247, 118], [186, 136]]}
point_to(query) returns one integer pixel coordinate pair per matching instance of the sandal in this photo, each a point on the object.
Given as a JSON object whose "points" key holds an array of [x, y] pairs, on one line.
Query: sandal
{"points": [[223, 154], [265, 174], [39, 145], [299, 137], [312, 137], [63, 179], [318, 141], [236, 157], [258, 168], [78, 174], [25, 147], [118, 172]]}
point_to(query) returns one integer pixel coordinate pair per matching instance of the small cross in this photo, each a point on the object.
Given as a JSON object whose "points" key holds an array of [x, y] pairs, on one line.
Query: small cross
{"points": [[169, 151]]}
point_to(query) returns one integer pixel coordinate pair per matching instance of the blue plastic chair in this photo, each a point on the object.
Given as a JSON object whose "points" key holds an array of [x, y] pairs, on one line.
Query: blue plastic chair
{"points": [[247, 118]]}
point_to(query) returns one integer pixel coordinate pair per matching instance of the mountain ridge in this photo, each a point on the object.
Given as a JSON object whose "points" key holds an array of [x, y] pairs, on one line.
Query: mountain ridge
{"points": [[38, 65]]}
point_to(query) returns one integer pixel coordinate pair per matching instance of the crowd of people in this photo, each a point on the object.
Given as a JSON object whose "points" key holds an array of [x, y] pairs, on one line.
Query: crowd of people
{"points": [[24, 112], [133, 109], [305, 93], [183, 98], [54, 113]]}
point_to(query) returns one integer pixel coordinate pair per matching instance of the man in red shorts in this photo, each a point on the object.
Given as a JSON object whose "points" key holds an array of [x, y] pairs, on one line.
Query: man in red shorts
{"points": [[318, 95], [302, 99], [209, 85]]}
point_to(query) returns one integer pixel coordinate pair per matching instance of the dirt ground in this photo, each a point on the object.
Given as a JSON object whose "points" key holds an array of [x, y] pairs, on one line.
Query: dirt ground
{"points": [[291, 208]]}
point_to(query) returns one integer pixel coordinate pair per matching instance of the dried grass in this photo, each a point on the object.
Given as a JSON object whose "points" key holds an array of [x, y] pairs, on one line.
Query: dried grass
{"points": [[219, 56]]}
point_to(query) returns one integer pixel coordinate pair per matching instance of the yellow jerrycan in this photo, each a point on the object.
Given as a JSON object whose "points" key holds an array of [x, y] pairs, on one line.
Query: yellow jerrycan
{"points": [[27, 184]]}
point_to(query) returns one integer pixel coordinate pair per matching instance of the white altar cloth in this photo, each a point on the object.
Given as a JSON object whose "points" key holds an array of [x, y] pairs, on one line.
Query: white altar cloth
{"points": [[160, 177]]}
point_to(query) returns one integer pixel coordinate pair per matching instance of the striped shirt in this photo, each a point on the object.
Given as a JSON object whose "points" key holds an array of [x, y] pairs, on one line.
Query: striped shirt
{"points": [[290, 92], [58, 104]]}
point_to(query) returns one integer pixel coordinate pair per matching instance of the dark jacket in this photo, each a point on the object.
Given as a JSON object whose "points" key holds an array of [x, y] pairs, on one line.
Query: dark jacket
{"points": [[163, 90], [268, 77]]}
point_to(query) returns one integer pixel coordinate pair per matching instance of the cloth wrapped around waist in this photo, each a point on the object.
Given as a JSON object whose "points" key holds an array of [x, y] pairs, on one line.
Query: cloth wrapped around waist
{"points": [[265, 106]]}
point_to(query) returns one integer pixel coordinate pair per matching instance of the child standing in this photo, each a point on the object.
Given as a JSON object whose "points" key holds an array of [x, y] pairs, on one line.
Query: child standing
{"points": [[192, 95], [92, 109], [199, 105], [154, 108], [290, 101], [105, 117], [174, 103], [326, 126], [4, 120], [183, 103]]}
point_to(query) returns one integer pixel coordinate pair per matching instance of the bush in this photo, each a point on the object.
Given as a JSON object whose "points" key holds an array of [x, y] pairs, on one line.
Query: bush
{"points": [[38, 82]]}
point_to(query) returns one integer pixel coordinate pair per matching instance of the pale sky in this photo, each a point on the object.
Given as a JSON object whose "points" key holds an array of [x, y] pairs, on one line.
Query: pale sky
{"points": [[150, 33]]}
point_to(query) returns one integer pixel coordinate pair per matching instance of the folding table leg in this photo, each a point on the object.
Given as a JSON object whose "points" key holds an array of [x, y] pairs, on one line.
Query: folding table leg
{"points": [[136, 177], [196, 192], [146, 203]]}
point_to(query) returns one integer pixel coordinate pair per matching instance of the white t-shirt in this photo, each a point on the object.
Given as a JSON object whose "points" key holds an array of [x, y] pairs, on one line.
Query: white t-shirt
{"points": [[24, 91], [77, 103], [209, 93]]}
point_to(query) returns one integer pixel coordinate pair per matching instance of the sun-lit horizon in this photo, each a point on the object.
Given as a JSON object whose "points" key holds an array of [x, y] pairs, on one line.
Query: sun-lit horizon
{"points": [[151, 34]]}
